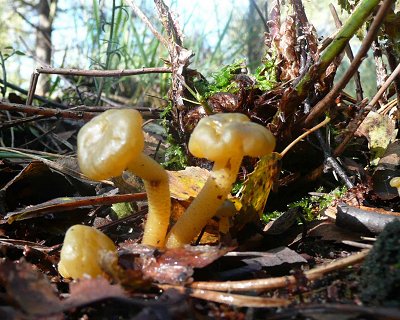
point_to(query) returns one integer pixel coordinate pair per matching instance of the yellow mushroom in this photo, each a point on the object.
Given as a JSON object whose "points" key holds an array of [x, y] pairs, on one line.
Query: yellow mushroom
{"points": [[113, 142], [82, 251], [395, 183], [224, 139]]}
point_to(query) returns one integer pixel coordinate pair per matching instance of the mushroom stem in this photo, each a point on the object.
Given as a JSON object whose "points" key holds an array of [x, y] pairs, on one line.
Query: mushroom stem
{"points": [[155, 180], [205, 205]]}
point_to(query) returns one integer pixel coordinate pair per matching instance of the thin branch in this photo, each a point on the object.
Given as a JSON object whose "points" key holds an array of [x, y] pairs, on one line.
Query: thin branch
{"points": [[386, 85], [352, 24], [322, 105], [392, 64], [147, 22], [331, 162], [260, 14], [303, 135], [48, 112], [237, 300], [353, 126], [103, 73], [280, 282]]}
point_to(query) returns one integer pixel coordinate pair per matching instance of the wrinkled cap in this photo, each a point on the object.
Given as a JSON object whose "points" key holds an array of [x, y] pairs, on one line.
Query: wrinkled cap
{"points": [[109, 142], [223, 135]]}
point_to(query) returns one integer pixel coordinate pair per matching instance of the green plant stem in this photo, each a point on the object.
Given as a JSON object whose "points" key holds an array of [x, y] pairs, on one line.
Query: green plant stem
{"points": [[321, 106], [349, 28]]}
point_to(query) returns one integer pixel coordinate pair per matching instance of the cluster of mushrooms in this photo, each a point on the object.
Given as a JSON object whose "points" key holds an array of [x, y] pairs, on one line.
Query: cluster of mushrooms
{"points": [[113, 142]]}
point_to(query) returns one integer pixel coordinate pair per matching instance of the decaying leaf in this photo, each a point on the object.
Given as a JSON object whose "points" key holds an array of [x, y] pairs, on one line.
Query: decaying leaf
{"points": [[186, 184], [88, 291], [380, 130], [173, 265], [28, 289], [257, 186], [273, 258]]}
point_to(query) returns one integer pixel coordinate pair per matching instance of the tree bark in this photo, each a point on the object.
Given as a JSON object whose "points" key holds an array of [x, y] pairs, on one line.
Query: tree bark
{"points": [[43, 51]]}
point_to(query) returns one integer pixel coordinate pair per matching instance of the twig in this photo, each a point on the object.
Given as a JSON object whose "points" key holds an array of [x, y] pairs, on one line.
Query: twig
{"points": [[386, 85], [229, 298], [147, 22], [365, 108], [280, 282], [32, 88], [352, 128], [350, 27], [322, 105], [16, 122], [103, 73], [52, 164], [303, 135], [333, 163], [65, 204], [380, 67], [392, 64], [260, 14], [48, 112]]}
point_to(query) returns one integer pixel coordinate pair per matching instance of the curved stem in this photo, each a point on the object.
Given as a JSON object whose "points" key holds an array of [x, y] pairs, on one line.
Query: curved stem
{"points": [[204, 206], [156, 184]]}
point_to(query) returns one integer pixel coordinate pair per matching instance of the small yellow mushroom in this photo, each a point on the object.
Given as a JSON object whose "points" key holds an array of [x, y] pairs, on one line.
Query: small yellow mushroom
{"points": [[395, 183], [113, 142], [82, 251], [224, 139]]}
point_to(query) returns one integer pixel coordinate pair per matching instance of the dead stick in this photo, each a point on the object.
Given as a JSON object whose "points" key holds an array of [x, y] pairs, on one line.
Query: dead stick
{"points": [[147, 22], [280, 282], [231, 299], [48, 112], [103, 73]]}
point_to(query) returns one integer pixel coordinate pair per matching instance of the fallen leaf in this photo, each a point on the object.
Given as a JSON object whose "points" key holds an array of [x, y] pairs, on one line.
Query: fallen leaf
{"points": [[87, 291], [186, 184], [28, 289], [379, 130], [172, 266], [258, 184], [329, 231], [270, 258]]}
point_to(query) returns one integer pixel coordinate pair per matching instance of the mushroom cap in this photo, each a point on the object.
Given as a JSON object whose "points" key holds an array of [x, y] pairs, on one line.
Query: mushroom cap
{"points": [[109, 142], [224, 135], [82, 251], [395, 182]]}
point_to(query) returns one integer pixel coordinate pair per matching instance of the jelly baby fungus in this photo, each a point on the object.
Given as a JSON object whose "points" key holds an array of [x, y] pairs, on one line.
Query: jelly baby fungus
{"points": [[225, 139], [82, 252], [113, 142]]}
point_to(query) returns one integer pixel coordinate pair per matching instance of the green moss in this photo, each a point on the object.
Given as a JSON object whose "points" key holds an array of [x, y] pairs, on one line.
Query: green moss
{"points": [[313, 205], [175, 156], [380, 272], [223, 79]]}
